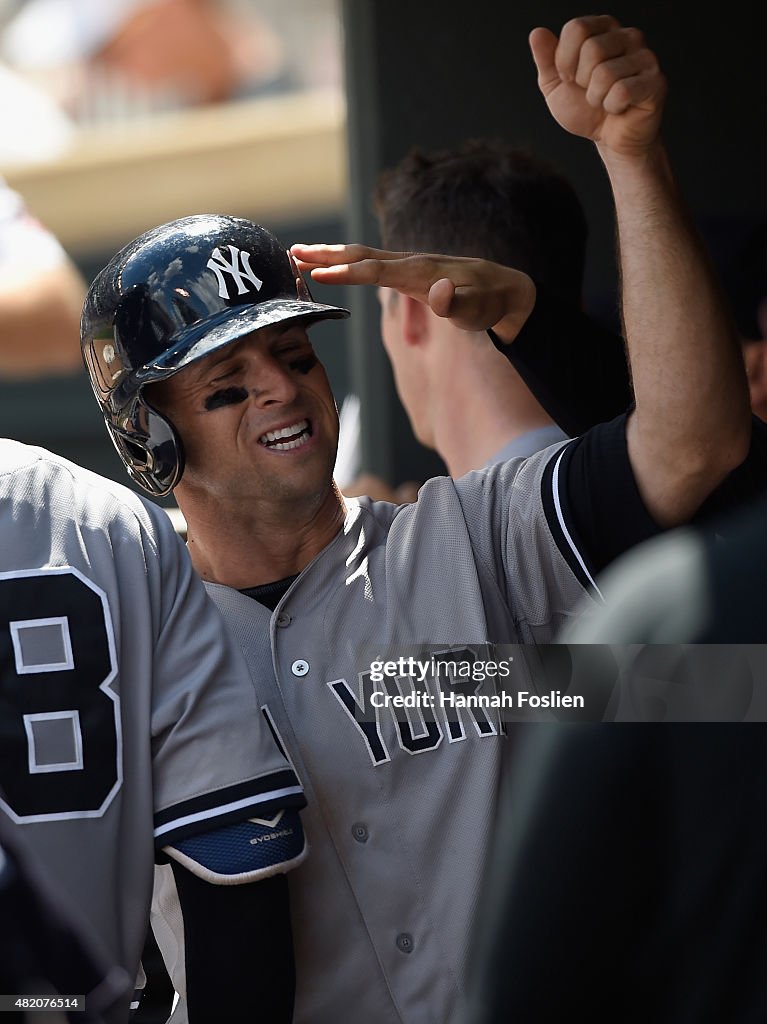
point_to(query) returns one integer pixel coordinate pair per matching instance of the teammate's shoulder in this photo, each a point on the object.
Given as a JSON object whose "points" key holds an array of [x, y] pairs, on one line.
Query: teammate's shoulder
{"points": [[14, 455], [384, 513], [521, 472], [34, 473]]}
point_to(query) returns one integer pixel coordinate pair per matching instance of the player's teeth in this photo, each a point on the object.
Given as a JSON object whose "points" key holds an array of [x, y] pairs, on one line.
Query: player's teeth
{"points": [[275, 435], [283, 446]]}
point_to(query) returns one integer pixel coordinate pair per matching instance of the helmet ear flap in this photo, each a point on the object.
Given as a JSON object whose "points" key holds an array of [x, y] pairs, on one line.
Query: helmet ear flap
{"points": [[149, 446]]}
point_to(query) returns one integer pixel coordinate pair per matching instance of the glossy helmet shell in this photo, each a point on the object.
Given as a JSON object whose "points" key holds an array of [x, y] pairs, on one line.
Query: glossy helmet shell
{"points": [[171, 297]]}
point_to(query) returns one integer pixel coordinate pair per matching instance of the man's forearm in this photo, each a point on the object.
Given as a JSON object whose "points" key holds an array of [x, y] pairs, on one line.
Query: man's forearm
{"points": [[691, 423]]}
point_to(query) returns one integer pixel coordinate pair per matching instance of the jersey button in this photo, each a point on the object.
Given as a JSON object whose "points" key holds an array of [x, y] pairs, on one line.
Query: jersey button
{"points": [[405, 942], [283, 620], [300, 667], [360, 832]]}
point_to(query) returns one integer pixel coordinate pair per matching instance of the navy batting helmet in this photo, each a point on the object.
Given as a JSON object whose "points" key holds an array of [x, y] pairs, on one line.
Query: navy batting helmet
{"points": [[170, 297]]}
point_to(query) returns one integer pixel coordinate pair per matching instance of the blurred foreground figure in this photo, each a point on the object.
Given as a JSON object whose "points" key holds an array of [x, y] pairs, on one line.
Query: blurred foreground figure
{"points": [[45, 948], [629, 879]]}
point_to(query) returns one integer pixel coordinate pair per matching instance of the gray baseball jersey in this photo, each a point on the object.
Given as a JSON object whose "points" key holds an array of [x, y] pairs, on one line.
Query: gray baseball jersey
{"points": [[401, 808], [120, 693]]}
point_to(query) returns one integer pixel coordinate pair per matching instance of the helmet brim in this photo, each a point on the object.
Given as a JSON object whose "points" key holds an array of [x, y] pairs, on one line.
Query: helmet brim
{"points": [[225, 327]]}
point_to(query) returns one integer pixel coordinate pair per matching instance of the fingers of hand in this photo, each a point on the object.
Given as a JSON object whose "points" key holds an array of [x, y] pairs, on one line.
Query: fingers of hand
{"points": [[543, 45], [610, 62], [354, 264], [597, 49], [304, 265], [326, 275], [468, 307], [362, 272], [636, 90], [412, 275], [611, 73], [323, 255], [441, 297], [572, 37]]}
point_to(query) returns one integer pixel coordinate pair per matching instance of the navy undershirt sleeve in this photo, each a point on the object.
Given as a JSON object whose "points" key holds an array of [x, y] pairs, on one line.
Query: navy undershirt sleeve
{"points": [[600, 513], [574, 366], [238, 948], [743, 486], [594, 507]]}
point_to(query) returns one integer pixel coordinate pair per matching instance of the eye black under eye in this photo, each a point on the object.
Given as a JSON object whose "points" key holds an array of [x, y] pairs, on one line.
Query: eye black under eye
{"points": [[225, 396], [304, 364]]}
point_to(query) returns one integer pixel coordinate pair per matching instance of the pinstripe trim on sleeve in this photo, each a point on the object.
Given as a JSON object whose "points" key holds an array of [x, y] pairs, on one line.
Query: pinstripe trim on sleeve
{"points": [[254, 798], [561, 530], [592, 502]]}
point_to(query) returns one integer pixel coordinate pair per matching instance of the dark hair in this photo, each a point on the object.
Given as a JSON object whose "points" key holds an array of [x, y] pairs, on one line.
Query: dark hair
{"points": [[489, 200]]}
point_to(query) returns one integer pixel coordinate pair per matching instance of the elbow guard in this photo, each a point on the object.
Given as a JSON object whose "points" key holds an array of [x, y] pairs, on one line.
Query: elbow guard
{"points": [[243, 852]]}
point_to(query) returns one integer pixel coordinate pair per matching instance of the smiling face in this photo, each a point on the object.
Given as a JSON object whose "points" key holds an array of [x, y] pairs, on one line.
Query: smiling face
{"points": [[258, 422]]}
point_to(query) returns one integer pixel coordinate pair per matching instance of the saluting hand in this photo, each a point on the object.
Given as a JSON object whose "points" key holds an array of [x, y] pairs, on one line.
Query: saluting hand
{"points": [[472, 294]]}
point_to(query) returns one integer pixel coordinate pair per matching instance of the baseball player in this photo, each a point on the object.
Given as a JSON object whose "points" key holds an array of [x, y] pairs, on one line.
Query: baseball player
{"points": [[120, 694], [195, 336]]}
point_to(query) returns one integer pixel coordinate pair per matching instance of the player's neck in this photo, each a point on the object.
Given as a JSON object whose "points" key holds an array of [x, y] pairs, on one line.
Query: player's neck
{"points": [[480, 414], [246, 548]]}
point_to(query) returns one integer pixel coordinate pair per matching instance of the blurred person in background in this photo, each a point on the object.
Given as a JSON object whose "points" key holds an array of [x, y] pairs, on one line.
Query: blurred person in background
{"points": [[41, 295], [41, 291], [23, 103], [111, 61]]}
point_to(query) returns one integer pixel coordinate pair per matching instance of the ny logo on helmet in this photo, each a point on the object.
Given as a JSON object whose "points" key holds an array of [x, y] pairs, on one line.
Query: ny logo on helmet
{"points": [[238, 266]]}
